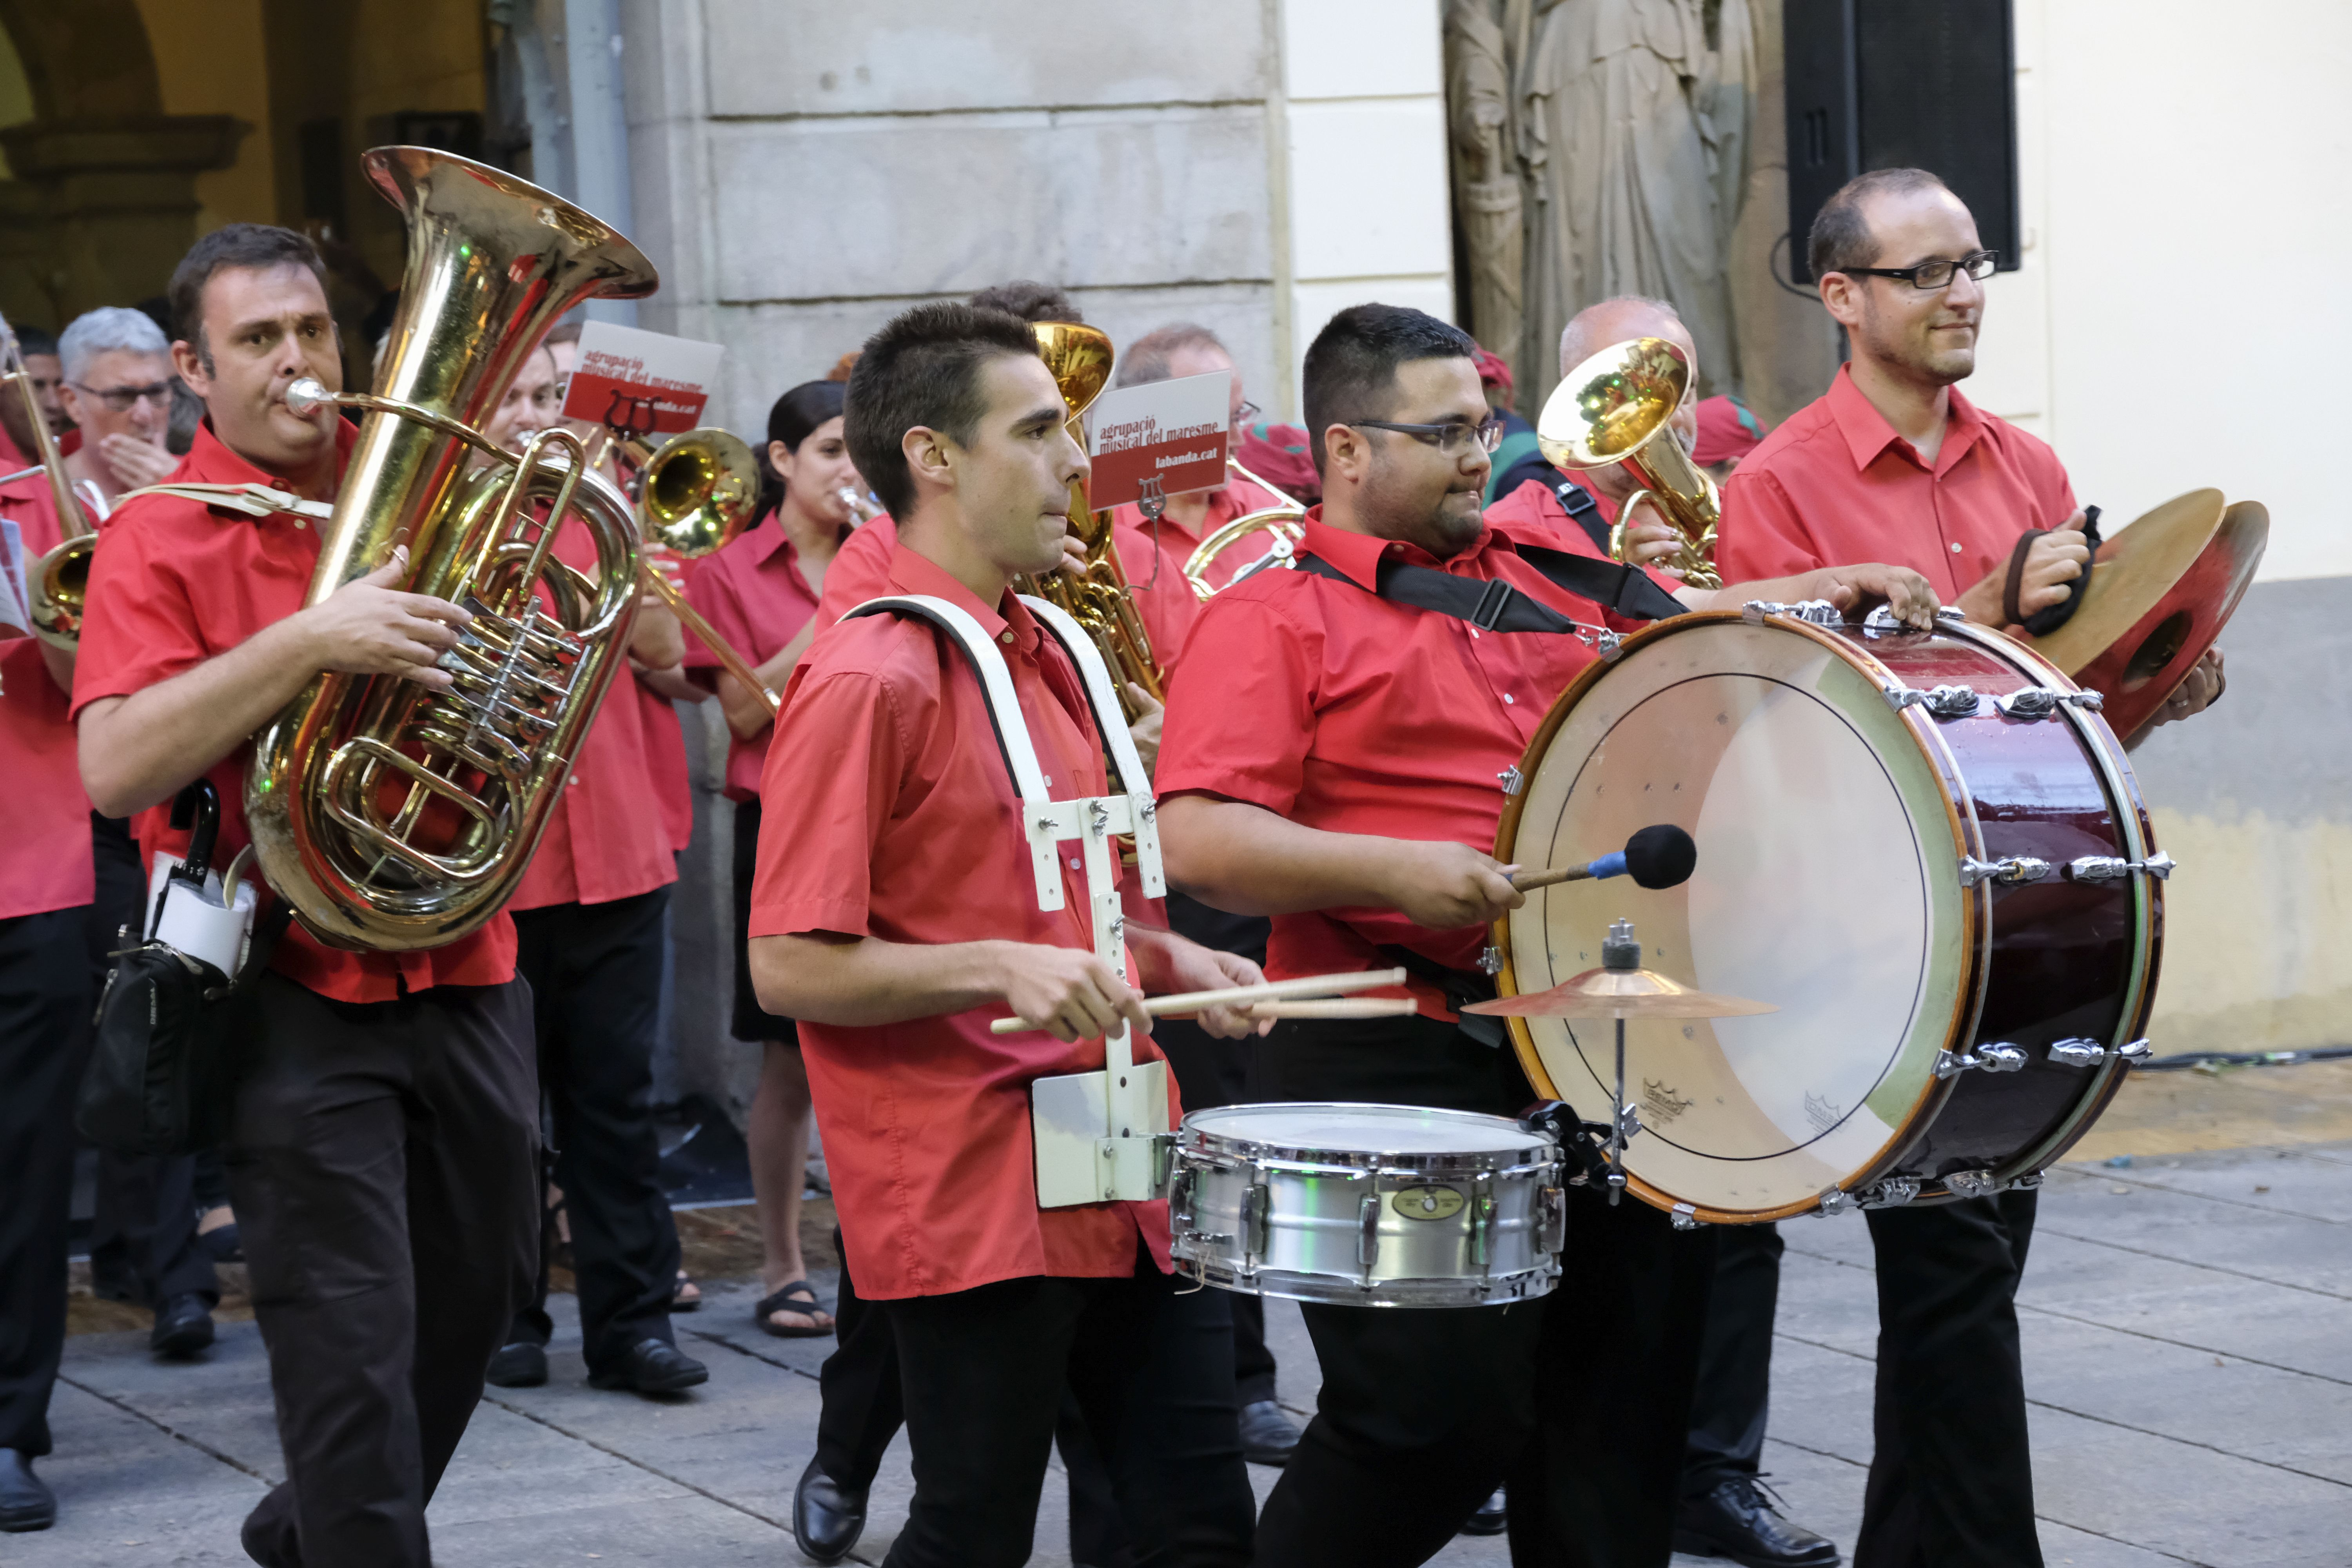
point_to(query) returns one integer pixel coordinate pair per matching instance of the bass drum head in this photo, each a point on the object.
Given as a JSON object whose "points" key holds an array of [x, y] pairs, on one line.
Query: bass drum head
{"points": [[1827, 883]]}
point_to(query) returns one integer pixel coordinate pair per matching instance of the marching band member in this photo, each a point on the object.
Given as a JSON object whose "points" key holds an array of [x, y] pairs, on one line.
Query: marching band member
{"points": [[1894, 462], [591, 933], [1331, 761], [384, 1149], [117, 389], [892, 917]]}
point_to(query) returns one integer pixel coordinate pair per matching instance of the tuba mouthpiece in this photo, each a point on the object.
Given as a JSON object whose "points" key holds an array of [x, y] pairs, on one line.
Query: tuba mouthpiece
{"points": [[305, 395]]}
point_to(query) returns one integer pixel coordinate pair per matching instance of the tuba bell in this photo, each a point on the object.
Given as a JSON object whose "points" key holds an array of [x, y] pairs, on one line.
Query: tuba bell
{"points": [[1618, 406], [387, 816]]}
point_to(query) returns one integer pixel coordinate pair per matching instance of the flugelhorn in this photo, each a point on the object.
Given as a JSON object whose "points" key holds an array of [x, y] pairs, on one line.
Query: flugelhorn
{"points": [[1618, 406], [1099, 600], [387, 816], [1281, 522], [58, 583]]}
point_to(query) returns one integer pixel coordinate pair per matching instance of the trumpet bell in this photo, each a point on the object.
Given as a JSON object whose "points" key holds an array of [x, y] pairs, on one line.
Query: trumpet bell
{"points": [[701, 489]]}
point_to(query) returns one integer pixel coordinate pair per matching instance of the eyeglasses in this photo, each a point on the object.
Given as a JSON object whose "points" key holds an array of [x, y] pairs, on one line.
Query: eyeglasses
{"points": [[1453, 437], [1247, 414], [1933, 275], [121, 398]]}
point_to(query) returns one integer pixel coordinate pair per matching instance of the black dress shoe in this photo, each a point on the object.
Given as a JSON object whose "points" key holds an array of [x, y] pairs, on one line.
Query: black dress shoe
{"points": [[1267, 1436], [1492, 1518], [1738, 1519], [652, 1366], [828, 1518], [25, 1500], [183, 1325], [522, 1364]]}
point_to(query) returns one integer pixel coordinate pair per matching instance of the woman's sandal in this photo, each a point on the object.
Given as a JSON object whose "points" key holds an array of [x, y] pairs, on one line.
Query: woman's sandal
{"points": [[796, 1297], [686, 1297]]}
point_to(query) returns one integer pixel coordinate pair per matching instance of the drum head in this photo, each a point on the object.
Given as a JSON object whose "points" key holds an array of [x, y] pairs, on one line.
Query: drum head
{"points": [[1401, 1129], [1827, 883]]}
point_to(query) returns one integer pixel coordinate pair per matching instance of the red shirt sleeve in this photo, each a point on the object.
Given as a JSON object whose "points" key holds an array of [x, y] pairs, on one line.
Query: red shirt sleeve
{"points": [[1245, 656], [148, 633], [1761, 534], [860, 571], [831, 785]]}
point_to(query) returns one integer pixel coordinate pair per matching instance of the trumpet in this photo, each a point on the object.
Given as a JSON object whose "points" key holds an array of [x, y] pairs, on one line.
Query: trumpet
{"points": [[862, 510], [1618, 406], [1281, 523], [58, 583]]}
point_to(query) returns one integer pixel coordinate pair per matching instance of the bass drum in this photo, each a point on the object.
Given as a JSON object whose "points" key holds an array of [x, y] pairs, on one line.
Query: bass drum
{"points": [[1927, 849]]}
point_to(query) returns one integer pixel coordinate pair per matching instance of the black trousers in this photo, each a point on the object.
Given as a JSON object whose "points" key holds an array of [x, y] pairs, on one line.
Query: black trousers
{"points": [[1735, 1365], [384, 1165], [1951, 1480], [1148, 1362], [1212, 1072], [143, 1241], [1598, 1484], [858, 1384], [1422, 1412], [595, 984], [45, 1006]]}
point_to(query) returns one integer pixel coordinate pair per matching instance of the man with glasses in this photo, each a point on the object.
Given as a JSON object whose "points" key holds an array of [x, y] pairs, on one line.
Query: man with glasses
{"points": [[1895, 464], [118, 389]]}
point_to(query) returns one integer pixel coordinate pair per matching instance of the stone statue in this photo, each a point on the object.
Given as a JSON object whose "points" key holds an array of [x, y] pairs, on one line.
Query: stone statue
{"points": [[1487, 200], [1634, 132]]}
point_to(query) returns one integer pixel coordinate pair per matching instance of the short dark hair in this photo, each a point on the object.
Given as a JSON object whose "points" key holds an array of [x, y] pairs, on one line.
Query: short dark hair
{"points": [[923, 369], [257, 245], [1351, 365], [1841, 239], [1031, 301], [1146, 360]]}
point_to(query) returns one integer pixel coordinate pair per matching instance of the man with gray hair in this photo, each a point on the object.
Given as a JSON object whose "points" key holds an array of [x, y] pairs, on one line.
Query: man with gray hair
{"points": [[118, 388]]}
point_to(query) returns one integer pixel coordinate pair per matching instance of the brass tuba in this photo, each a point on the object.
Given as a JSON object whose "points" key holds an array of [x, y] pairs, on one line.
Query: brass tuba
{"points": [[1618, 406], [59, 581], [389, 817], [1100, 601]]}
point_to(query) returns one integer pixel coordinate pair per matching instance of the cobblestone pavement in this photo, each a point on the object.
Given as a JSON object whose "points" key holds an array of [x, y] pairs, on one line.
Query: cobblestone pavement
{"points": [[2188, 1353]]}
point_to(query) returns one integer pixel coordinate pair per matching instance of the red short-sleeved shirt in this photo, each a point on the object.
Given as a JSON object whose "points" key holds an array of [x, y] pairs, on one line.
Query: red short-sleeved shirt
{"points": [[610, 835], [1535, 507], [44, 858], [1235, 499], [1343, 712], [175, 582], [860, 572], [754, 595], [1835, 485], [888, 813]]}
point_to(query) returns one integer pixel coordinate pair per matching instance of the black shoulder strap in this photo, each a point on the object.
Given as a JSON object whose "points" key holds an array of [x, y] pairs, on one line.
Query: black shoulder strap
{"points": [[1496, 606], [1583, 510]]}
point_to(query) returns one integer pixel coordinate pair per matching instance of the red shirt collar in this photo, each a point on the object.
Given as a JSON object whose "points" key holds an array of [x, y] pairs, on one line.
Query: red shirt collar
{"points": [[915, 574], [1359, 554], [1867, 434], [211, 461], [768, 536]]}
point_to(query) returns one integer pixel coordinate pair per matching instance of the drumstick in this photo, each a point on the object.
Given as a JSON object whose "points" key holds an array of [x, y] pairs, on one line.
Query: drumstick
{"points": [[1332, 1007], [1266, 991], [1659, 857]]}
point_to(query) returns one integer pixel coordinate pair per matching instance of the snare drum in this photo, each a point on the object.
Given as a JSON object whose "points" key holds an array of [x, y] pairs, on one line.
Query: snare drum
{"points": [[1367, 1205], [1927, 849]]}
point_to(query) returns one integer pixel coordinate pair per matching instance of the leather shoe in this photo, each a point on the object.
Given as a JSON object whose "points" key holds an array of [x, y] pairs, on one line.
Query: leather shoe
{"points": [[827, 1518], [1491, 1518], [522, 1364], [183, 1325], [652, 1366], [1738, 1519], [1267, 1436], [25, 1500]]}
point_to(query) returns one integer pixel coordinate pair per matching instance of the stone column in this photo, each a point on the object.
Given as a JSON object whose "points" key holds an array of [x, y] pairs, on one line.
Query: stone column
{"points": [[116, 199]]}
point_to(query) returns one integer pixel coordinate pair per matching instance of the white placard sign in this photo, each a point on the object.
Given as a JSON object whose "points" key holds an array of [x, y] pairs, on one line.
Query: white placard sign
{"points": [[1162, 438], [642, 384]]}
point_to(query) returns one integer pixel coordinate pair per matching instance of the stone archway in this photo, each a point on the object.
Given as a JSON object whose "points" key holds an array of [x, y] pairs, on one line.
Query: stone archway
{"points": [[103, 201]]}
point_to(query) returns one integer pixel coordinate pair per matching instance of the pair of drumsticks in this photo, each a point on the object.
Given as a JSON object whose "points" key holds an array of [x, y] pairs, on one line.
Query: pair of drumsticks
{"points": [[1658, 856]]}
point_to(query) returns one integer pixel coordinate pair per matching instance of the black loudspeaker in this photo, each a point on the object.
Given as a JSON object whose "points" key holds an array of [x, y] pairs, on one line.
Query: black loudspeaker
{"points": [[1891, 84]]}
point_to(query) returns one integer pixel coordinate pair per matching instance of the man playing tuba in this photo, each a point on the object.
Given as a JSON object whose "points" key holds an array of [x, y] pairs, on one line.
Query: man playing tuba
{"points": [[383, 1147]]}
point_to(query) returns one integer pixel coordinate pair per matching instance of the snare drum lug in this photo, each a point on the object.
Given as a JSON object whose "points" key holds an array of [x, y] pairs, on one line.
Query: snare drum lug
{"points": [[1891, 1193], [1256, 1206], [1835, 1201], [1551, 1205], [1971, 1184], [1513, 780], [1684, 1216], [2077, 1053], [2110, 869], [1368, 1234], [1482, 1221], [2014, 870], [1996, 1057]]}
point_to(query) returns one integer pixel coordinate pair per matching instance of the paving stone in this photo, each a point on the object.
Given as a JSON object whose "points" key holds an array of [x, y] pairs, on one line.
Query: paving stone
{"points": [[130, 1495], [221, 1396]]}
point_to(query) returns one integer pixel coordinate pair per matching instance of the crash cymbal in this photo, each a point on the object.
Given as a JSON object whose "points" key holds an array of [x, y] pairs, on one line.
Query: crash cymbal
{"points": [[2142, 668], [2137, 568], [1621, 994]]}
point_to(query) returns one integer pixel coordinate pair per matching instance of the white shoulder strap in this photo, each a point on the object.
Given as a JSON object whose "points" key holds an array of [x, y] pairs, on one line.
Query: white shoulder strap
{"points": [[1111, 720]]}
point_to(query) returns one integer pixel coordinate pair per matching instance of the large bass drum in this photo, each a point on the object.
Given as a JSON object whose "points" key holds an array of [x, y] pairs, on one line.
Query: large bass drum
{"points": [[1927, 849]]}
